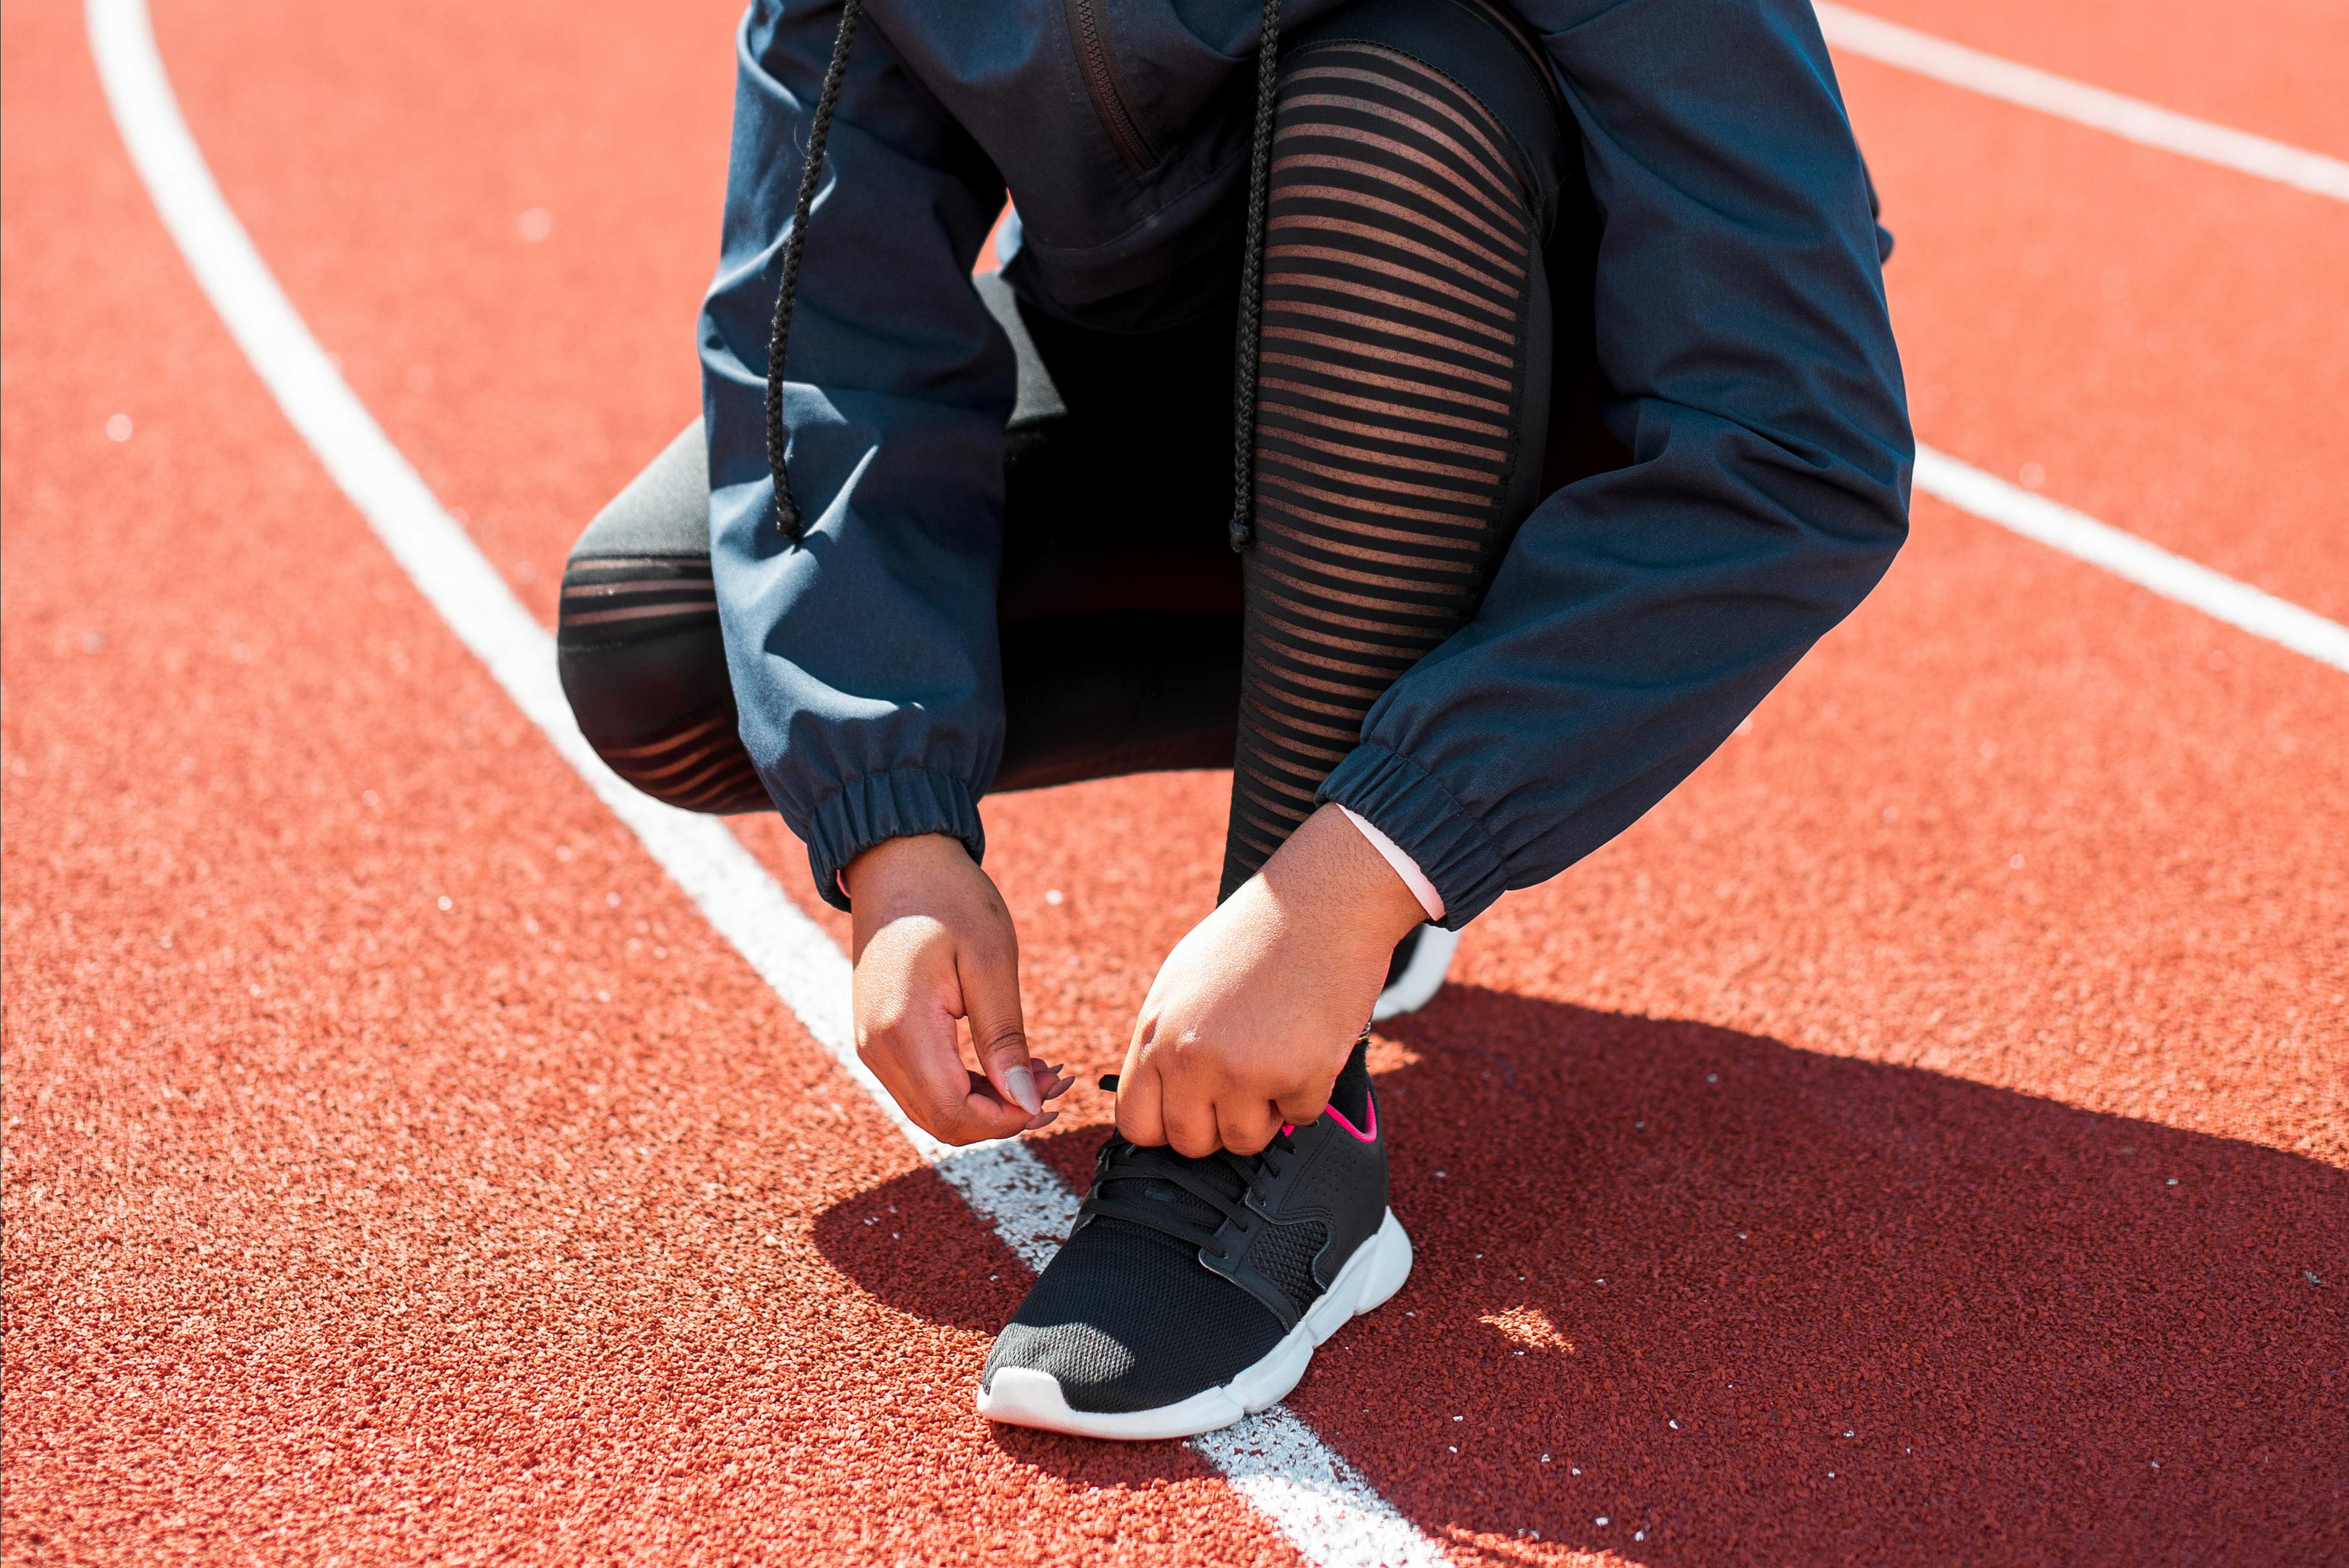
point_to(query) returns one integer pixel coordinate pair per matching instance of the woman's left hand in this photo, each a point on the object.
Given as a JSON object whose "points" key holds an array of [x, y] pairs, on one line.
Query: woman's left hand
{"points": [[1254, 1012]]}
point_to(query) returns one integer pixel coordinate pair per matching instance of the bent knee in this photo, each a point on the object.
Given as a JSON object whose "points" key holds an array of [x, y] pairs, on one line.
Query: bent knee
{"points": [[638, 645], [643, 662]]}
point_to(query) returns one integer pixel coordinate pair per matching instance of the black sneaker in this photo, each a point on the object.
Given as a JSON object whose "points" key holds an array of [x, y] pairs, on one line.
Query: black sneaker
{"points": [[1193, 1292]]}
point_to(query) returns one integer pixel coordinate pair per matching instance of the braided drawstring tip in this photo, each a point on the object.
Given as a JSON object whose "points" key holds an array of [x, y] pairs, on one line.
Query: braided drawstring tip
{"points": [[1241, 532]]}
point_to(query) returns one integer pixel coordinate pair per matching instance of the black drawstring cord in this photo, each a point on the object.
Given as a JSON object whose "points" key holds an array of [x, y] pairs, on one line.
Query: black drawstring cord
{"points": [[787, 511], [1243, 523]]}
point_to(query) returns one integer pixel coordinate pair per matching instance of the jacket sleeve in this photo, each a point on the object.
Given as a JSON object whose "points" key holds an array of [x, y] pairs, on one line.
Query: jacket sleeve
{"points": [[864, 661], [1749, 369]]}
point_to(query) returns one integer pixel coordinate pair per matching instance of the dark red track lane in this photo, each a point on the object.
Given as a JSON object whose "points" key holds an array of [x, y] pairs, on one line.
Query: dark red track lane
{"points": [[2157, 338], [2269, 67]]}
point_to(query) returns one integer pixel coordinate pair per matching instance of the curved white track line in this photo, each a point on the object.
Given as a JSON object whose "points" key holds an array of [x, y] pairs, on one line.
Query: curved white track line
{"points": [[1320, 1503], [2134, 119], [2124, 554], [1314, 1498]]}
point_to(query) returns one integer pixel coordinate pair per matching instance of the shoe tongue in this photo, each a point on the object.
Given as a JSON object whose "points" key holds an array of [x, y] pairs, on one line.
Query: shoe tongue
{"points": [[1217, 1173], [1159, 1192]]}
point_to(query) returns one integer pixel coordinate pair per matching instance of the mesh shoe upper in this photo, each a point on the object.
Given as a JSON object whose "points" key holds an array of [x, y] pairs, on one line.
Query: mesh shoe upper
{"points": [[1128, 1323], [1182, 1274]]}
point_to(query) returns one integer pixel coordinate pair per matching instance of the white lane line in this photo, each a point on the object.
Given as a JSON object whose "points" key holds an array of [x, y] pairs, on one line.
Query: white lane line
{"points": [[1318, 1502], [2133, 119], [2124, 554], [2036, 517]]}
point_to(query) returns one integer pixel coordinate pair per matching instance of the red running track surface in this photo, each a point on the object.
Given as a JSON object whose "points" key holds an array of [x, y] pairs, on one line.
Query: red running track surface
{"points": [[1957, 1061]]}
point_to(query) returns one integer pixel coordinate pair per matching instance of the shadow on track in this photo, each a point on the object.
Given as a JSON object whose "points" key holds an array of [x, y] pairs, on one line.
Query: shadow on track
{"points": [[1849, 1310], [974, 1283]]}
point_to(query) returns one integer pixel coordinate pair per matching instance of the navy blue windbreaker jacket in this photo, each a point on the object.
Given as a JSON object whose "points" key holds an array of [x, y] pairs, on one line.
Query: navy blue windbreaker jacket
{"points": [[1638, 616]]}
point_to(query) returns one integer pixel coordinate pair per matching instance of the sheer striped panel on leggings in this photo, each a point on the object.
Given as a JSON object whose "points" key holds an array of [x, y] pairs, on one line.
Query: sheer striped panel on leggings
{"points": [[1399, 259], [645, 628]]}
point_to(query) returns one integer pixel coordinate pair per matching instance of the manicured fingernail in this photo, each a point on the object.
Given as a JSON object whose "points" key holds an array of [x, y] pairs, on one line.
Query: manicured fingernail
{"points": [[1022, 1085]]}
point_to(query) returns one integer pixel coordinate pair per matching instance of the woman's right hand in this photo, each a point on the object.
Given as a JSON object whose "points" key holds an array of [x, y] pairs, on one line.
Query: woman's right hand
{"points": [[934, 943]]}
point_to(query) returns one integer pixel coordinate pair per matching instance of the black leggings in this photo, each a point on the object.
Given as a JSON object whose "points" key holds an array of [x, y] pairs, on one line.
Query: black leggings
{"points": [[1418, 393]]}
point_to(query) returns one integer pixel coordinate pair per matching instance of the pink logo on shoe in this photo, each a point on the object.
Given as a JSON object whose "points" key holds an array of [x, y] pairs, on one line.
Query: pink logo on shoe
{"points": [[1334, 1114], [1360, 1136]]}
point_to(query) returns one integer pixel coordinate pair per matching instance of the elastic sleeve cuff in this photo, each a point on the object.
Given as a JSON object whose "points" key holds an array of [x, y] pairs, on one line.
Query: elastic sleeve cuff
{"points": [[1447, 844], [883, 806], [1405, 866]]}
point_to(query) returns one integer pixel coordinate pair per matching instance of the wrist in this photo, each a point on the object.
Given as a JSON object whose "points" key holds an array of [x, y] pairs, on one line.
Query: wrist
{"points": [[1329, 873], [879, 876]]}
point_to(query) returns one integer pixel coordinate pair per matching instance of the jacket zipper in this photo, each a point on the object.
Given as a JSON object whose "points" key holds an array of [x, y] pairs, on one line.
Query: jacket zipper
{"points": [[1105, 83]]}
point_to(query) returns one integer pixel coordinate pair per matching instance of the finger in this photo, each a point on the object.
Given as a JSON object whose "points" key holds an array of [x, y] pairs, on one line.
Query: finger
{"points": [[1051, 1088], [974, 1114], [906, 1035], [922, 1069], [905, 1000], [903, 1034], [1190, 1123], [1137, 1106], [990, 1005], [1051, 1080], [1303, 1108], [954, 1104], [1244, 1128]]}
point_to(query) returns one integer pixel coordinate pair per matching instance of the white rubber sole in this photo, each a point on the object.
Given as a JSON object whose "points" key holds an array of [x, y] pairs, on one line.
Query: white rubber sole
{"points": [[1023, 1397], [1421, 978]]}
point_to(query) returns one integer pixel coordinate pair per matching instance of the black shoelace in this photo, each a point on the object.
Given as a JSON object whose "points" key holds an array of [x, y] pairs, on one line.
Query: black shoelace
{"points": [[1242, 527], [1188, 1199]]}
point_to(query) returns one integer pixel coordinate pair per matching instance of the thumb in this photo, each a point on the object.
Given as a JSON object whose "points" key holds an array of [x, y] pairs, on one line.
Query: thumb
{"points": [[990, 1000]]}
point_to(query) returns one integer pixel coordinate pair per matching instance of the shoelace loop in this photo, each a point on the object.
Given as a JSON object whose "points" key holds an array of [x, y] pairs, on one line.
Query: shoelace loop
{"points": [[1121, 1163]]}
